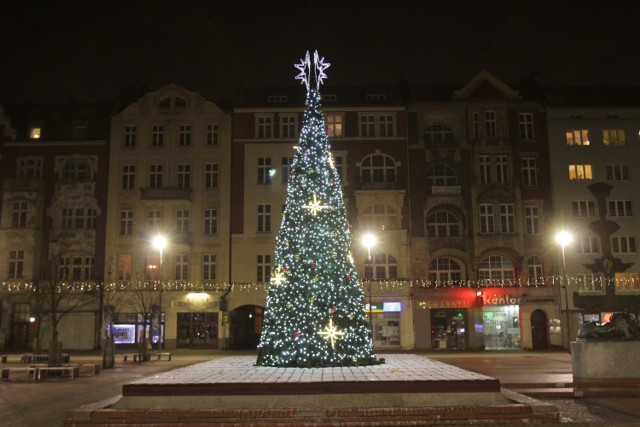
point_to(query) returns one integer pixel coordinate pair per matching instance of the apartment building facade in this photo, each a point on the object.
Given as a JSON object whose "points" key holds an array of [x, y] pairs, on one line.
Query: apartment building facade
{"points": [[481, 218], [169, 178], [54, 165]]}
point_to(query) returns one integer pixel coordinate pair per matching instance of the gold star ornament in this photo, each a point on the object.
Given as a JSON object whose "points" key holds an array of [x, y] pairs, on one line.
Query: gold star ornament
{"points": [[315, 206], [331, 333]]}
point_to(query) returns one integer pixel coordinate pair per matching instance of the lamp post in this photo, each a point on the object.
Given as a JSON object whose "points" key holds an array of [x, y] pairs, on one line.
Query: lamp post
{"points": [[369, 241], [159, 242], [563, 238]]}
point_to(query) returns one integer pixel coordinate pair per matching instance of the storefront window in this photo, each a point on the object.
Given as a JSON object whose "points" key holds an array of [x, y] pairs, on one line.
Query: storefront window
{"points": [[197, 330], [128, 328], [448, 328], [501, 327], [386, 323]]}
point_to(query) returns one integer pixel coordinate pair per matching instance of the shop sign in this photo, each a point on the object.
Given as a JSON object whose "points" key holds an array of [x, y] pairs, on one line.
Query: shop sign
{"points": [[500, 300], [376, 307], [446, 303]]}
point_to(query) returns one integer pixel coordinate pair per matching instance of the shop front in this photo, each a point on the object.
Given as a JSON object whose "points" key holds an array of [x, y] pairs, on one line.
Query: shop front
{"points": [[449, 328], [501, 320], [386, 323]]}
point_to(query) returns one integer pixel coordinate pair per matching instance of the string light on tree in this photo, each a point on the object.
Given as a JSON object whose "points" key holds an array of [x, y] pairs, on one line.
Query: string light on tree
{"points": [[316, 273]]}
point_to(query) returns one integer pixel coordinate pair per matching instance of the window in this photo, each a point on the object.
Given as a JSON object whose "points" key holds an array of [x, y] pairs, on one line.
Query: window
{"points": [[623, 245], [441, 175], [157, 136], [165, 103], [475, 124], [130, 133], [78, 219], [76, 268], [124, 267], [485, 169], [532, 219], [335, 123], [529, 172], [627, 282], [19, 214], [526, 125], [184, 176], [577, 137], [367, 126], [507, 218], [35, 133], [445, 271], [438, 134], [155, 176], [211, 221], [29, 168], [379, 217], [285, 168], [383, 123], [338, 162], [277, 99], [264, 127], [264, 218], [16, 264], [490, 123], [128, 177], [210, 175], [375, 97], [180, 102], [502, 169], [182, 267], [443, 224], [77, 169], [126, 222], [589, 283], [587, 245], [620, 208], [182, 220], [152, 270], [387, 125], [496, 270], [208, 267], [486, 218], [381, 266], [264, 170], [618, 172], [213, 134], [154, 219], [185, 135], [263, 268], [288, 127], [580, 172], [583, 208], [534, 267], [378, 169], [614, 137]]}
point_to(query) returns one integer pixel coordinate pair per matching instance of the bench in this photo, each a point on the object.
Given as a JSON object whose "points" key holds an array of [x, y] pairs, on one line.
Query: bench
{"points": [[69, 371], [31, 358], [133, 356], [164, 354], [5, 357], [31, 372], [90, 368]]}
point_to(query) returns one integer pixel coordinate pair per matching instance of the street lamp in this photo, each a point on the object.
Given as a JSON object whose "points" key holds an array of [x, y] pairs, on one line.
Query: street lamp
{"points": [[159, 242], [369, 240], [563, 238]]}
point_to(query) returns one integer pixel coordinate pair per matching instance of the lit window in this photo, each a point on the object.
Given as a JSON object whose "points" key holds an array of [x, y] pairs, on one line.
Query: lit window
{"points": [[614, 137], [580, 172], [124, 267], [34, 133], [577, 137], [627, 282], [334, 123]]}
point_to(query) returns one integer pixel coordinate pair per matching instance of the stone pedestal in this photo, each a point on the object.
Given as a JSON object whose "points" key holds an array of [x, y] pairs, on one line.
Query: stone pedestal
{"points": [[604, 359]]}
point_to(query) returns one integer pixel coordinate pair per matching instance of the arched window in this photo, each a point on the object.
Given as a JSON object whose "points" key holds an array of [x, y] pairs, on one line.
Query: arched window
{"points": [[379, 217], [445, 271], [441, 175], [378, 169], [439, 134], [443, 224], [381, 266], [535, 271], [496, 270]]}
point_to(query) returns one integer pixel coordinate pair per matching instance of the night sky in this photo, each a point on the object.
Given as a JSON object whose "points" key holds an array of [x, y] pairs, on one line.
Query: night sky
{"points": [[77, 51]]}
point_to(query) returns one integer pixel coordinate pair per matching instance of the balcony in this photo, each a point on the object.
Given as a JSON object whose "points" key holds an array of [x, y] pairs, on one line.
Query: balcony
{"points": [[446, 190], [30, 185], [165, 193]]}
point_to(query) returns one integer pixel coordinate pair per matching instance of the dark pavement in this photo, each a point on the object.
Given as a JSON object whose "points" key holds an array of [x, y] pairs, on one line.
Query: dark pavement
{"points": [[26, 404]]}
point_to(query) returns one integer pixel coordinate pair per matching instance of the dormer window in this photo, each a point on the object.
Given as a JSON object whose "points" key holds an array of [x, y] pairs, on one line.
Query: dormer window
{"points": [[376, 97], [277, 99], [180, 102], [165, 103], [34, 133]]}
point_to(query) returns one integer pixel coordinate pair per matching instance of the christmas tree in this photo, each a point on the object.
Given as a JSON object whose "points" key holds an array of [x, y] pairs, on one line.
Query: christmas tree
{"points": [[315, 313]]}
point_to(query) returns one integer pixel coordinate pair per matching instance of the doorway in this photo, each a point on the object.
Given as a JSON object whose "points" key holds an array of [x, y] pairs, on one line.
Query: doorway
{"points": [[539, 330], [197, 330], [245, 326]]}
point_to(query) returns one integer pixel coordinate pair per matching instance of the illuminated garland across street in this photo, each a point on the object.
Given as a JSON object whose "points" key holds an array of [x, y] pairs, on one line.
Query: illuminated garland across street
{"points": [[314, 314]]}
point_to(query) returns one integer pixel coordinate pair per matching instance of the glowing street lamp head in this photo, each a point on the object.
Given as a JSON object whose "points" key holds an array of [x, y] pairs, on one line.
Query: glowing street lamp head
{"points": [[159, 242], [563, 238], [369, 240]]}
